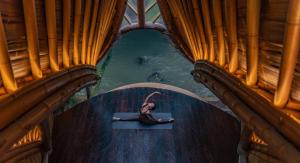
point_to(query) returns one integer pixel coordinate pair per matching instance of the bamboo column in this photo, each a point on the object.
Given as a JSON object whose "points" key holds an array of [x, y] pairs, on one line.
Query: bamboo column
{"points": [[232, 33], [51, 31], [92, 31], [94, 45], [290, 54], [208, 30], [86, 24], [253, 15], [199, 22], [141, 13], [77, 20], [6, 71], [66, 32], [217, 12], [32, 37], [108, 10]]}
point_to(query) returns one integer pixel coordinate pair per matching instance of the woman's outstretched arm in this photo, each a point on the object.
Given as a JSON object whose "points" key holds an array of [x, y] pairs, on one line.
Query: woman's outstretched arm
{"points": [[150, 95]]}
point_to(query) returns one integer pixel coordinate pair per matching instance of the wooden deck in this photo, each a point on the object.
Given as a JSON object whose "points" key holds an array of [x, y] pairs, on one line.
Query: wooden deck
{"points": [[201, 133]]}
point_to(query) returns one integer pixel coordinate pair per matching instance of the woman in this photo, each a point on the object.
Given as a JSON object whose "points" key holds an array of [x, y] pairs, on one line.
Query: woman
{"points": [[145, 113]]}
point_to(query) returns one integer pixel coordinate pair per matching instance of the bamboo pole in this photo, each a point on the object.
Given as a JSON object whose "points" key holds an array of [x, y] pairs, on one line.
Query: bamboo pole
{"points": [[208, 30], [66, 32], [107, 12], [141, 13], [77, 22], [13, 155], [232, 33], [32, 37], [283, 148], [118, 19], [51, 31], [281, 121], [37, 113], [92, 31], [176, 36], [253, 15], [199, 22], [21, 101], [217, 12], [184, 23], [6, 71], [290, 54], [86, 24]]}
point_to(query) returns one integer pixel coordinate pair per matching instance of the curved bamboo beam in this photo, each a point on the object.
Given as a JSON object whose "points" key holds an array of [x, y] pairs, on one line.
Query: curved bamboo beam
{"points": [[283, 148], [86, 24], [253, 15], [66, 32], [133, 27], [51, 31], [77, 22], [174, 34], [231, 16], [39, 112], [115, 31], [217, 12], [290, 54], [6, 71], [199, 22], [16, 154], [208, 30], [19, 102], [32, 37], [282, 122], [108, 10], [182, 13], [92, 31]]}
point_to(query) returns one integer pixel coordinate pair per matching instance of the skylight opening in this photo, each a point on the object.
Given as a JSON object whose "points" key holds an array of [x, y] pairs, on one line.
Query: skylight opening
{"points": [[151, 15]]}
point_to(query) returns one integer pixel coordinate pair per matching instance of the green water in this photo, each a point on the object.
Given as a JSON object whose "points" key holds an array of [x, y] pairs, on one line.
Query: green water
{"points": [[146, 56]]}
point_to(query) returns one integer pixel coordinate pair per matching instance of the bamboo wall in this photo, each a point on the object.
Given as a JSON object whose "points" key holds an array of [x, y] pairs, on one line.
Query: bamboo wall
{"points": [[272, 26], [62, 22], [258, 28]]}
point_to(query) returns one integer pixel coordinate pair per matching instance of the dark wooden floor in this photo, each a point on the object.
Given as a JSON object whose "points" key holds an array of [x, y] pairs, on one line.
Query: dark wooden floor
{"points": [[201, 133]]}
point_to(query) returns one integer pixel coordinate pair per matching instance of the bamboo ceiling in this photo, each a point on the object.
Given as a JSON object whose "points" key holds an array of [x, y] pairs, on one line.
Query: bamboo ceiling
{"points": [[39, 37], [248, 38]]}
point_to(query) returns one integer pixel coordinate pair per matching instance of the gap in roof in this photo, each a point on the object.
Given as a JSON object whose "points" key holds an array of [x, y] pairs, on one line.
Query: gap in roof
{"points": [[152, 15]]}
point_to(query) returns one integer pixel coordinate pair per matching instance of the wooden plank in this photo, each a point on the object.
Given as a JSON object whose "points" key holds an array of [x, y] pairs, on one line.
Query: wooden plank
{"points": [[85, 133]]}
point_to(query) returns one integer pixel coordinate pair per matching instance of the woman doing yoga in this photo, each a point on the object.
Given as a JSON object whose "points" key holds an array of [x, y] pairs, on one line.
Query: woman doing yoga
{"points": [[145, 115]]}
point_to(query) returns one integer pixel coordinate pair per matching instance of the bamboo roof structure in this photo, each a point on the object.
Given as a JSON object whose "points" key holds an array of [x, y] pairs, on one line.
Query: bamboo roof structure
{"points": [[252, 43]]}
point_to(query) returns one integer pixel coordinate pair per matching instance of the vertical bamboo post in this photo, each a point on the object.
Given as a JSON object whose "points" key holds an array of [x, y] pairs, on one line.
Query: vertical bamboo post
{"points": [[141, 13], [217, 12], [86, 24], [232, 33], [51, 31], [77, 20], [290, 54], [253, 15], [32, 37], [208, 30], [66, 32], [6, 71], [199, 22], [92, 31]]}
